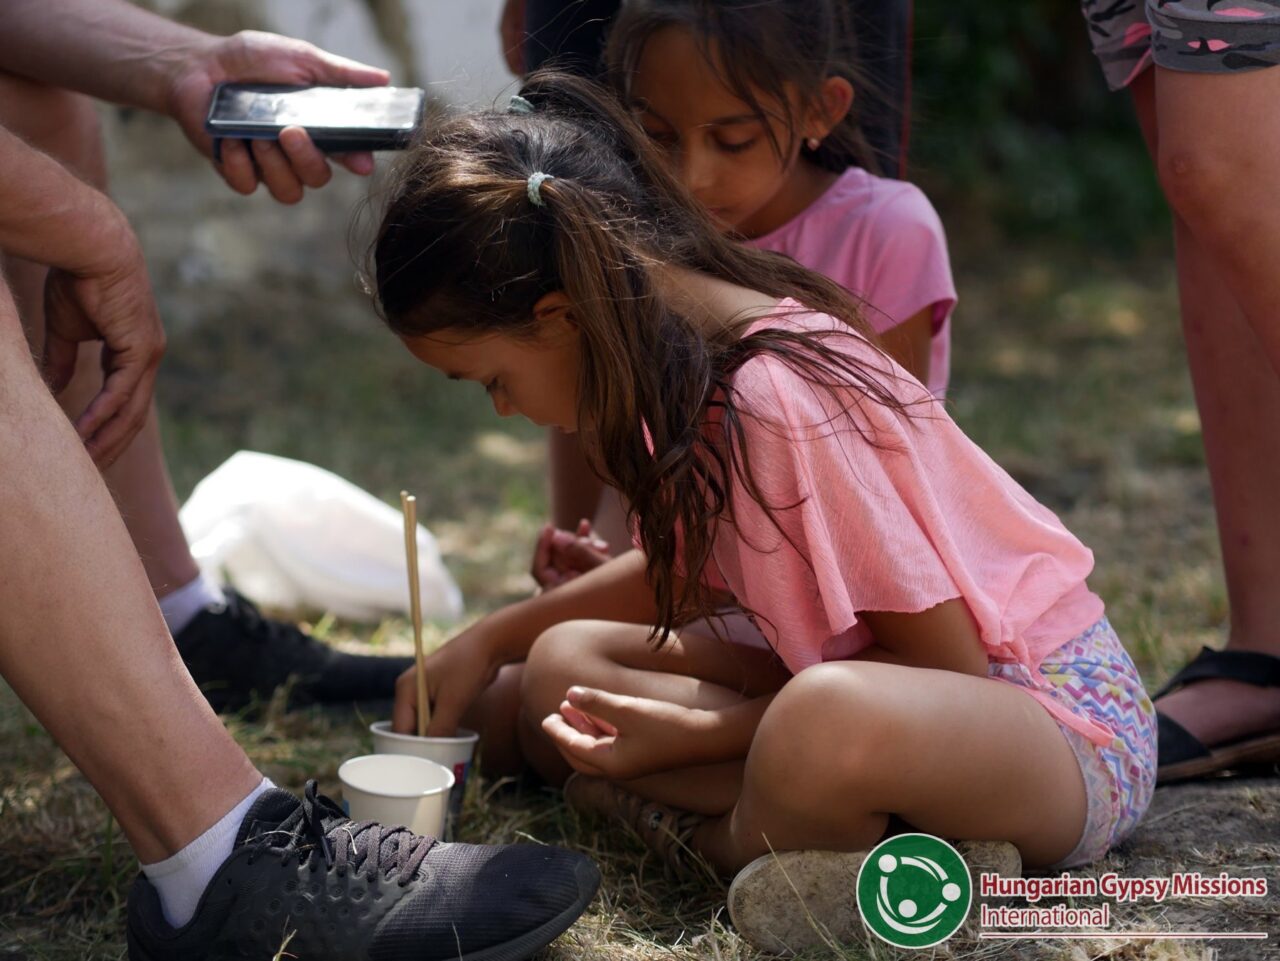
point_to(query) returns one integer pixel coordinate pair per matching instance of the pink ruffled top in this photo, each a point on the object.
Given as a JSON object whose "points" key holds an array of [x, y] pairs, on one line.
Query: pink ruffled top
{"points": [[916, 518]]}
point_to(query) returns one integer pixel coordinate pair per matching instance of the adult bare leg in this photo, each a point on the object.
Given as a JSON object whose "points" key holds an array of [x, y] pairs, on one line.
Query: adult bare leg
{"points": [[81, 639], [1218, 140], [1238, 397], [65, 126]]}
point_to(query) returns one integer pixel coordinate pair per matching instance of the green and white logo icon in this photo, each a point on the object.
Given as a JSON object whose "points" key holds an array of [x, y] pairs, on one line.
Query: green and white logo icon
{"points": [[914, 890]]}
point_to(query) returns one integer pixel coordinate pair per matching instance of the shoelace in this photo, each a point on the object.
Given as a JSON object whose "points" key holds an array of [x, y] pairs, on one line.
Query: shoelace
{"points": [[362, 843], [263, 628]]}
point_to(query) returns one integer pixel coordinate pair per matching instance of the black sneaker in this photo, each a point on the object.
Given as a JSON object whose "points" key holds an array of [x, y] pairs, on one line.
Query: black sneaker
{"points": [[304, 878], [235, 654]]}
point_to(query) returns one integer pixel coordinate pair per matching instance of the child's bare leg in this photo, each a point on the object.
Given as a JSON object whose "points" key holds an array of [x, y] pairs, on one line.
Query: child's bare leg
{"points": [[494, 716], [707, 790], [691, 670], [710, 789], [846, 743]]}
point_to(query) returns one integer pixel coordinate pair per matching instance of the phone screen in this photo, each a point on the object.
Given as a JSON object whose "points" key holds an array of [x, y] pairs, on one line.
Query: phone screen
{"points": [[388, 108]]}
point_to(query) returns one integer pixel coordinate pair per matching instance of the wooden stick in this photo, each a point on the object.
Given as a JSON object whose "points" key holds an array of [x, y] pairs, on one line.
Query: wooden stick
{"points": [[409, 505]]}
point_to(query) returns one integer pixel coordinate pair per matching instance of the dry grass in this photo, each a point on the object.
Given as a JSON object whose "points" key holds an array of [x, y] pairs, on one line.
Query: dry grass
{"points": [[1068, 370]]}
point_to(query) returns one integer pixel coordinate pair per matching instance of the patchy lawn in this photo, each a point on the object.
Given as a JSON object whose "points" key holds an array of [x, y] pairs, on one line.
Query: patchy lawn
{"points": [[1067, 369]]}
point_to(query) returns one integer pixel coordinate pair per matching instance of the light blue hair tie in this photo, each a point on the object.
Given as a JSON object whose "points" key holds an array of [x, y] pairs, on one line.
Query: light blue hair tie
{"points": [[536, 181], [519, 105]]}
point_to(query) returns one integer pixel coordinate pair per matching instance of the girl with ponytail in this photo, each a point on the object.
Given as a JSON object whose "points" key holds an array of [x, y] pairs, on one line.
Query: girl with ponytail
{"points": [[933, 651]]}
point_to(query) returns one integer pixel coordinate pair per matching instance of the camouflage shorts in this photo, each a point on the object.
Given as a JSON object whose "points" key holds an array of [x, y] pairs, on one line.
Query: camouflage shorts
{"points": [[1202, 36]]}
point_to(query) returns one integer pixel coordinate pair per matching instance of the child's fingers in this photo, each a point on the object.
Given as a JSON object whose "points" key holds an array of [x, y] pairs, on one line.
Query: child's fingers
{"points": [[404, 712], [581, 556], [603, 708], [560, 540], [573, 744], [585, 722], [590, 537], [541, 567]]}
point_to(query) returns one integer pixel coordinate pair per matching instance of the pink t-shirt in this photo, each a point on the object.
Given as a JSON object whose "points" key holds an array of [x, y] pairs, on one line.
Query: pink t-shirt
{"points": [[917, 518], [882, 240]]}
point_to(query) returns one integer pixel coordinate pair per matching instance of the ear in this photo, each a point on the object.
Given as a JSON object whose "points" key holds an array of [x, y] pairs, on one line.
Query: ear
{"points": [[836, 100], [554, 310]]}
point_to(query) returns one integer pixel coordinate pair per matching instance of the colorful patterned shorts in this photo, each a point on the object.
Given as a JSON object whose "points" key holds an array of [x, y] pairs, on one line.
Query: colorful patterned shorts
{"points": [[1092, 676], [1201, 36]]}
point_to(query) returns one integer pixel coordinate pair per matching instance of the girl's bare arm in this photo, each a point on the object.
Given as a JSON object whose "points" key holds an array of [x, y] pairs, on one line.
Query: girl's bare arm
{"points": [[911, 343], [945, 637], [615, 591]]}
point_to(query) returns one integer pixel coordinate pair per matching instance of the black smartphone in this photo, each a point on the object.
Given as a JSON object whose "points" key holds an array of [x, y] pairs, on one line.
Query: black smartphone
{"points": [[339, 119]]}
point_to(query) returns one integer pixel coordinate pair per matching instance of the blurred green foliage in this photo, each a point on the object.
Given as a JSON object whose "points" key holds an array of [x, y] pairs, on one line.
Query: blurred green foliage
{"points": [[1012, 118]]}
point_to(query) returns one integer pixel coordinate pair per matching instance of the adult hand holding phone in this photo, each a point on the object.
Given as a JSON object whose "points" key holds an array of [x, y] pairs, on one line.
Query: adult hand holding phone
{"points": [[119, 52], [293, 162]]}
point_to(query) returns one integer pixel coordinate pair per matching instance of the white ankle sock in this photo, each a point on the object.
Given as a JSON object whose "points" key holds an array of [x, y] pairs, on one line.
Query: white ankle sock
{"points": [[181, 606], [181, 879]]}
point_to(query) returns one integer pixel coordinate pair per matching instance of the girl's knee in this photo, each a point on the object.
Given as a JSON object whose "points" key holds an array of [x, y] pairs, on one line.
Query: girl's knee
{"points": [[825, 718], [559, 658]]}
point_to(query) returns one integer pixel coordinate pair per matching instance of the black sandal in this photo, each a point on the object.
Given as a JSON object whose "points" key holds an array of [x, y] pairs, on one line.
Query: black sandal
{"points": [[1181, 754]]}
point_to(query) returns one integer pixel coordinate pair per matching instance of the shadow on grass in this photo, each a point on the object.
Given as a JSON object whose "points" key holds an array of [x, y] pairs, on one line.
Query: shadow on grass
{"points": [[1069, 371]]}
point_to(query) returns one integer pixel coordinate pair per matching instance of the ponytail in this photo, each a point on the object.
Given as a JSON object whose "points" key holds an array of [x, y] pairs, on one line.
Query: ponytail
{"points": [[464, 246]]}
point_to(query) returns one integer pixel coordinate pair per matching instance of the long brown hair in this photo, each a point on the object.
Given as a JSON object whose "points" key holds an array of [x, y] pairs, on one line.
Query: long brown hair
{"points": [[463, 248], [764, 50]]}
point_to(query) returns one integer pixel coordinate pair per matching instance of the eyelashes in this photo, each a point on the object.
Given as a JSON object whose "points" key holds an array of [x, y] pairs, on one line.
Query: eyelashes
{"points": [[669, 142]]}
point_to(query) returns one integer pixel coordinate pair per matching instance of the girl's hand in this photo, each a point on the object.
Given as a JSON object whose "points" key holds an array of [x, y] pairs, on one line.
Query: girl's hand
{"points": [[457, 673], [618, 737], [560, 555]]}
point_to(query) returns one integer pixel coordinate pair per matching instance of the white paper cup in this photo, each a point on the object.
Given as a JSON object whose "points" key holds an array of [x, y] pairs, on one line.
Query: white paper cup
{"points": [[397, 789], [455, 753]]}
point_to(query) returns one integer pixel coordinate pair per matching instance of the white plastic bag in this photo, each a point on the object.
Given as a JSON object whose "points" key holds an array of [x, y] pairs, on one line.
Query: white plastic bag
{"points": [[290, 534]]}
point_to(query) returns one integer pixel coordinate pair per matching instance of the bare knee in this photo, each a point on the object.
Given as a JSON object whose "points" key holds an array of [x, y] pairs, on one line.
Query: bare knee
{"points": [[555, 663], [560, 657], [825, 719], [63, 124], [1197, 177]]}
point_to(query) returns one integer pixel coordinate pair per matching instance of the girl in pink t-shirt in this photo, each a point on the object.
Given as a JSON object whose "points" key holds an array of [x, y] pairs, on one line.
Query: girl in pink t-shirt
{"points": [[752, 103], [934, 653]]}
